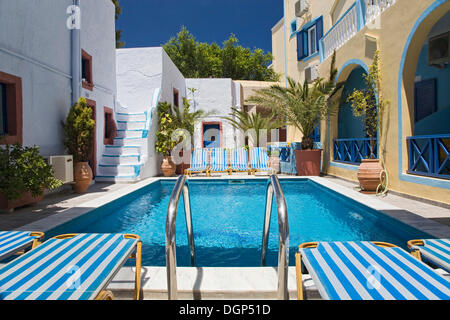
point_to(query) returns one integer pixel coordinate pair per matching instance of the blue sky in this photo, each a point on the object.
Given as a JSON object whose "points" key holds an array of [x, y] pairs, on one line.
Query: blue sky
{"points": [[152, 22]]}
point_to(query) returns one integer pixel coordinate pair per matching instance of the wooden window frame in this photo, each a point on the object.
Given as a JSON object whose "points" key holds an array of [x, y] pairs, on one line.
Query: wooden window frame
{"points": [[109, 140], [88, 83], [220, 130], [14, 112]]}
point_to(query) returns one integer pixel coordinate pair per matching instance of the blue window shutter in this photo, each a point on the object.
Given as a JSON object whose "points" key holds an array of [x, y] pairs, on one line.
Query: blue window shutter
{"points": [[302, 45], [319, 30]]}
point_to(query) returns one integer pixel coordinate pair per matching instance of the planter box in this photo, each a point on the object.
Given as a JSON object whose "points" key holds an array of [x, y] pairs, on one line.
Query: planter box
{"points": [[308, 162], [25, 199]]}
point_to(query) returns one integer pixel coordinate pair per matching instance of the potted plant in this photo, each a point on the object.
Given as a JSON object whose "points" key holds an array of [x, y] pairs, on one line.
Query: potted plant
{"points": [[274, 159], [184, 123], [303, 106], [369, 105], [78, 140], [164, 143], [24, 175]]}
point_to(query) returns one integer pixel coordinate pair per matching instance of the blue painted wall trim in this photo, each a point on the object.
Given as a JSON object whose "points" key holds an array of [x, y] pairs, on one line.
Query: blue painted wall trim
{"points": [[445, 184]]}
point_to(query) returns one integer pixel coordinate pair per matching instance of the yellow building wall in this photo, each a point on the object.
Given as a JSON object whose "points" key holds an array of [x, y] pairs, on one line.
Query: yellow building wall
{"points": [[395, 26]]}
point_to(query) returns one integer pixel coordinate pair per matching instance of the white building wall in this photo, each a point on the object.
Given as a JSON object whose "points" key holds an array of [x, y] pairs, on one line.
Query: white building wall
{"points": [[215, 96], [98, 39], [35, 46]]}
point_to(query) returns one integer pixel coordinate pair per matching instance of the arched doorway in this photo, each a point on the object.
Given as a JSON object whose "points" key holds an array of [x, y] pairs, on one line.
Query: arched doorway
{"points": [[425, 91], [352, 144]]}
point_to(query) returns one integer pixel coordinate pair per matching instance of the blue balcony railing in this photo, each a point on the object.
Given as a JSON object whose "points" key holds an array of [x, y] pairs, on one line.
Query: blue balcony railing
{"points": [[353, 151], [429, 155]]}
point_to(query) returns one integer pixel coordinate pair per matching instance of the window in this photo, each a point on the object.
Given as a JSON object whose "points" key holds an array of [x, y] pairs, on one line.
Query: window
{"points": [[176, 97], [308, 39], [110, 127], [86, 71], [3, 118], [312, 41], [10, 108]]}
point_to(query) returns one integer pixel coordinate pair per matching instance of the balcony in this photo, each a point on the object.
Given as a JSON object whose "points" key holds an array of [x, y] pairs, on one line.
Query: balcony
{"points": [[353, 151], [357, 16], [429, 156]]}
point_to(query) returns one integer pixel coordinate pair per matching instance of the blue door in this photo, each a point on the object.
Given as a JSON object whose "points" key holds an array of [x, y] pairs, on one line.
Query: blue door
{"points": [[211, 135]]}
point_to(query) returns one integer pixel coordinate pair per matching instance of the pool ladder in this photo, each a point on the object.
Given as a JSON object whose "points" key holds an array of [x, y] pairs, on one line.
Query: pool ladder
{"points": [[273, 187]]}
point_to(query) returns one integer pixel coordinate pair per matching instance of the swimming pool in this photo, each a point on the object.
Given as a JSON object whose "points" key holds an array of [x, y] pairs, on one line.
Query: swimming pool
{"points": [[228, 219]]}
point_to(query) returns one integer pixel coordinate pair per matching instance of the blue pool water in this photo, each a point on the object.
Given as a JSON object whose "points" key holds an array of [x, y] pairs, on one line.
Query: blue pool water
{"points": [[228, 221]]}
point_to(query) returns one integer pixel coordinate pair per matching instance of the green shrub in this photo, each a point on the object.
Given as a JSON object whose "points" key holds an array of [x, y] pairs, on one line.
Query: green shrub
{"points": [[79, 131], [23, 169]]}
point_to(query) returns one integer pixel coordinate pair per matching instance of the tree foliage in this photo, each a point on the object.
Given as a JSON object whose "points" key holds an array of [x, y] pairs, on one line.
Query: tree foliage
{"points": [[119, 43], [201, 60], [303, 105]]}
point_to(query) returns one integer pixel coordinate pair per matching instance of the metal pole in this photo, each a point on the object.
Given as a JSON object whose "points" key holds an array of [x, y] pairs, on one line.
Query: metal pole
{"points": [[171, 221], [274, 187]]}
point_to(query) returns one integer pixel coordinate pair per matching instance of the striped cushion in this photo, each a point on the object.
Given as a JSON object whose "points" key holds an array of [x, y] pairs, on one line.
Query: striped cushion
{"points": [[219, 159], [239, 159], [78, 268], [437, 251], [259, 159], [14, 241], [364, 271], [199, 160]]}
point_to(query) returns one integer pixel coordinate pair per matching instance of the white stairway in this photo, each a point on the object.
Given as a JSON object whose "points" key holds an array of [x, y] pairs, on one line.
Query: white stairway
{"points": [[122, 161]]}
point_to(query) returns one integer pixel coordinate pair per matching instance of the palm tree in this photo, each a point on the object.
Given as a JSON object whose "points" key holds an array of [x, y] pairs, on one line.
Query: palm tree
{"points": [[245, 121], [303, 105], [186, 119]]}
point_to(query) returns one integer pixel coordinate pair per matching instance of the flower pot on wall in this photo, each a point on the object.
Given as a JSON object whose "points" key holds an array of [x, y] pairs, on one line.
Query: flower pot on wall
{"points": [[168, 167], [308, 162], [26, 199], [82, 174], [369, 175]]}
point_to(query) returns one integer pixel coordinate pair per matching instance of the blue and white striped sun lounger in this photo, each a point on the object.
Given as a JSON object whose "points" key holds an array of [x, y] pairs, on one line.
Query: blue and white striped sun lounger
{"points": [[219, 161], [239, 160], [363, 270], [11, 242], [70, 267], [434, 251], [259, 160], [199, 161]]}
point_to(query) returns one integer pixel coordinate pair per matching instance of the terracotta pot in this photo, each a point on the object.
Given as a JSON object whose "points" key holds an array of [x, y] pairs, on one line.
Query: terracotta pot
{"points": [[274, 163], [308, 162], [82, 175], [25, 199], [369, 175], [168, 167]]}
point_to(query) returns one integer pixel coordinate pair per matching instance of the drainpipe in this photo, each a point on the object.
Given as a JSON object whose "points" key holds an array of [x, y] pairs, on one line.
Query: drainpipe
{"points": [[76, 60]]}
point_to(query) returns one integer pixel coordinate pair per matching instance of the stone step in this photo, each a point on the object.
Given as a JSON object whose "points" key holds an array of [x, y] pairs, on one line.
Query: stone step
{"points": [[131, 125], [122, 150], [130, 133], [118, 142], [131, 117], [210, 283], [121, 159], [119, 170]]}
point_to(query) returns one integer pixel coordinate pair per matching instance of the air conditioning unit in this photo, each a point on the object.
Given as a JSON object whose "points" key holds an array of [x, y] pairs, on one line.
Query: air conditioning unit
{"points": [[62, 167], [301, 8], [439, 50], [311, 73]]}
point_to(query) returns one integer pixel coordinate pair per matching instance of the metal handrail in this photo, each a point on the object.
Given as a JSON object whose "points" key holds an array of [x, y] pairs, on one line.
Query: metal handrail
{"points": [[171, 258], [274, 186]]}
